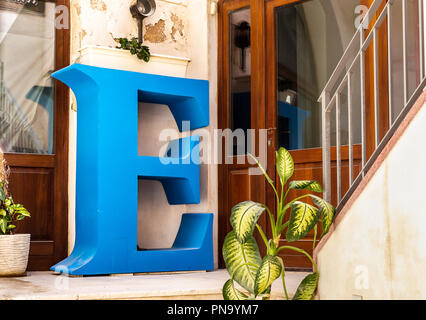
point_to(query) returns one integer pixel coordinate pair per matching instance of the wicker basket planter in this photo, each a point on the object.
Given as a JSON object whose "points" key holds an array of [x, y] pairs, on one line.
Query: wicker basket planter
{"points": [[14, 250]]}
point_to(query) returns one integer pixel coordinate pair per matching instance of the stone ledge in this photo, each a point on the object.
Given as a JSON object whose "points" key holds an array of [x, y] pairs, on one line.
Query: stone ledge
{"points": [[113, 58], [182, 286]]}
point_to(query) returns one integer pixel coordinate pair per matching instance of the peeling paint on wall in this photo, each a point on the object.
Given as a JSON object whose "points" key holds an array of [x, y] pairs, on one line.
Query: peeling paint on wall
{"points": [[177, 26], [98, 5], [77, 7], [155, 33]]}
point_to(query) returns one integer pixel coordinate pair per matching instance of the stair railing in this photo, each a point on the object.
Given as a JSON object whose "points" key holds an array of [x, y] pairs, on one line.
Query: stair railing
{"points": [[342, 79]]}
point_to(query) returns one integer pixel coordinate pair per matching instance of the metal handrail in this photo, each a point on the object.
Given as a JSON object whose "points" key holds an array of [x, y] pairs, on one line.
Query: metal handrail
{"points": [[353, 44], [332, 98]]}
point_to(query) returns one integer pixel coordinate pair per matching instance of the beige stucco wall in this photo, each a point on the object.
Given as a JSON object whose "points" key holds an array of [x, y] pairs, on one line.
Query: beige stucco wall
{"points": [[181, 28], [378, 249]]}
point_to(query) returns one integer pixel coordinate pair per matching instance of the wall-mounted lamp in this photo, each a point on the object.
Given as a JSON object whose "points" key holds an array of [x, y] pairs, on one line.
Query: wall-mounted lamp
{"points": [[141, 10], [242, 40]]}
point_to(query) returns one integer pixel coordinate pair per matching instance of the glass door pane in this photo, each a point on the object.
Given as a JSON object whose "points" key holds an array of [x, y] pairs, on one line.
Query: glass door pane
{"points": [[311, 38], [27, 59], [240, 76]]}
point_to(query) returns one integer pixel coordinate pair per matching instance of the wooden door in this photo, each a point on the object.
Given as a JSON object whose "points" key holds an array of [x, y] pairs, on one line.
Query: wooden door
{"points": [[235, 185], [37, 151], [284, 97], [307, 154], [241, 104]]}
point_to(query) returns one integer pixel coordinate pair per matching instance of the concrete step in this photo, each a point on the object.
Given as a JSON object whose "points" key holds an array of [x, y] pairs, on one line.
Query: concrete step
{"points": [[180, 286]]}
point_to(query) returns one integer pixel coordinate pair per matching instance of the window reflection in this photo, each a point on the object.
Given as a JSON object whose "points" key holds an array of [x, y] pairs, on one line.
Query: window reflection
{"points": [[27, 47], [240, 73], [311, 38]]}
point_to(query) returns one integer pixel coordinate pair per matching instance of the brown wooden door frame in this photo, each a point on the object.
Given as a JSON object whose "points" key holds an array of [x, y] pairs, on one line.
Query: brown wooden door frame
{"points": [[46, 252], [256, 184], [302, 158], [271, 103]]}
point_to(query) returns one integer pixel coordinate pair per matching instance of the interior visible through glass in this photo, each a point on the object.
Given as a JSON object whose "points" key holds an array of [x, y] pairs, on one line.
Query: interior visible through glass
{"points": [[27, 48], [311, 38], [240, 76]]}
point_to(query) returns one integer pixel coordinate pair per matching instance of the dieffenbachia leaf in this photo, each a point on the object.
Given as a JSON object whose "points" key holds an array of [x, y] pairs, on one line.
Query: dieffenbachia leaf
{"points": [[244, 218], [302, 219], [3, 225], [285, 165], [229, 292], [327, 212], [306, 289], [268, 272], [310, 185], [242, 260]]}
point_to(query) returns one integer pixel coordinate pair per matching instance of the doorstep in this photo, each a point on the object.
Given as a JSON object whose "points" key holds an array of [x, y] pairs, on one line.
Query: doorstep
{"points": [[178, 286]]}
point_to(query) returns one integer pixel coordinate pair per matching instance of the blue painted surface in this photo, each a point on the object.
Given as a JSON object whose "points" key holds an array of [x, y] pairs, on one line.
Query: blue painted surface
{"points": [[296, 118], [108, 169]]}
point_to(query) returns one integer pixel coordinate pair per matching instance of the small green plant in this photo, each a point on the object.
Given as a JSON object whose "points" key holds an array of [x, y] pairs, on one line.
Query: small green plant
{"points": [[135, 48], [241, 252], [10, 212]]}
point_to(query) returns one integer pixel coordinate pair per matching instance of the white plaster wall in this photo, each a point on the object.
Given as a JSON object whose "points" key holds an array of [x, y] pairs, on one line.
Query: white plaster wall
{"points": [[182, 28], [378, 250]]}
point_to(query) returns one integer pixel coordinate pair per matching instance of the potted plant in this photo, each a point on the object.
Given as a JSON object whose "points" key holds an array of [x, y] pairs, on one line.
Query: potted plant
{"points": [[135, 48], [14, 248], [295, 219]]}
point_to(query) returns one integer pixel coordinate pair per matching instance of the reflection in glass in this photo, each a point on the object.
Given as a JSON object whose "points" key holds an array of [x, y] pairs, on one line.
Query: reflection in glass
{"points": [[311, 38], [240, 74], [27, 47]]}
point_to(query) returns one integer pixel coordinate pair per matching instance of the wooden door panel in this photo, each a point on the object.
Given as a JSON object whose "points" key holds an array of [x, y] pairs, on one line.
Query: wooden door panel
{"points": [[308, 166], [25, 183], [239, 191], [234, 189], [42, 249], [239, 182]]}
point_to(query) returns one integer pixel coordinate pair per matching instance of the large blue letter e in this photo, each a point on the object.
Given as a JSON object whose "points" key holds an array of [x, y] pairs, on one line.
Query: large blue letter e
{"points": [[108, 169]]}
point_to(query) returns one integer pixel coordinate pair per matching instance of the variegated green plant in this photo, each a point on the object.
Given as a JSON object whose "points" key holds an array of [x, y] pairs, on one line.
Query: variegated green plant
{"points": [[10, 212], [241, 252]]}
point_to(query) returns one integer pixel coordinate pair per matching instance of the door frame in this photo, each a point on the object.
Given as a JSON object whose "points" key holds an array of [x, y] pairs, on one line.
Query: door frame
{"points": [[258, 100], [263, 108], [56, 249]]}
